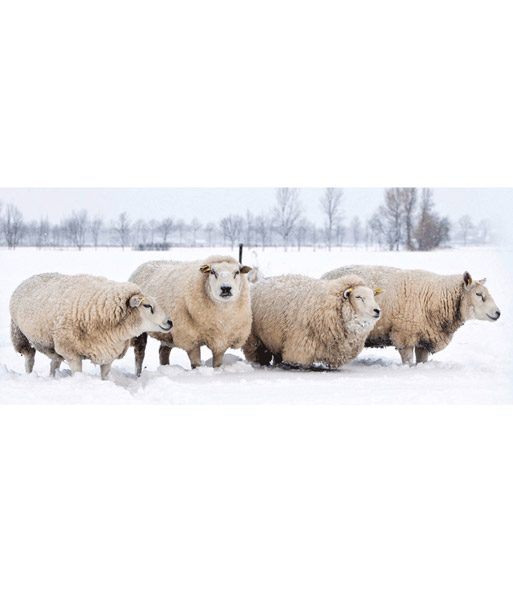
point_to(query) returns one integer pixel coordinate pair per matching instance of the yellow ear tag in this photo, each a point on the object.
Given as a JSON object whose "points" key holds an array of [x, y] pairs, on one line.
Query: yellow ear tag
{"points": [[142, 302], [378, 291], [469, 282], [205, 269]]}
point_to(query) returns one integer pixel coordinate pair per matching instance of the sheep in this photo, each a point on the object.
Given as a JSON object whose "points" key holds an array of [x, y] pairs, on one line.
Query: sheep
{"points": [[208, 300], [299, 321], [421, 310], [80, 317]]}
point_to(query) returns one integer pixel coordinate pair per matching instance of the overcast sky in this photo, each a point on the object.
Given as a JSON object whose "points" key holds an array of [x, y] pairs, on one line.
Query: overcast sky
{"points": [[209, 205]]}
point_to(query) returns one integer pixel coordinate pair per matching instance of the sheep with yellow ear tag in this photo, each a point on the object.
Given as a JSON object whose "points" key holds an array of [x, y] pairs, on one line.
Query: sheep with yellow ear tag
{"points": [[422, 310], [300, 321], [208, 301]]}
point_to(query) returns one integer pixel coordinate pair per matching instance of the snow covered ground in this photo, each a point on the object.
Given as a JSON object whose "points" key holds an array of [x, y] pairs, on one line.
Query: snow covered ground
{"points": [[477, 367]]}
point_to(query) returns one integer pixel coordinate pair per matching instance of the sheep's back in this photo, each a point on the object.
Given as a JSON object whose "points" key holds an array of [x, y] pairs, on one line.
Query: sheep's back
{"points": [[284, 304], [42, 303]]}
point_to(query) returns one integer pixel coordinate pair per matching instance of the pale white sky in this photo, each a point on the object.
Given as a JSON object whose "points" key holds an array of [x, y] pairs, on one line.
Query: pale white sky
{"points": [[211, 204]]}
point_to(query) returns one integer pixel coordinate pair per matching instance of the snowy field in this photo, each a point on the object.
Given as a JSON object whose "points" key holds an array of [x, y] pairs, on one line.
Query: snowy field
{"points": [[476, 368]]}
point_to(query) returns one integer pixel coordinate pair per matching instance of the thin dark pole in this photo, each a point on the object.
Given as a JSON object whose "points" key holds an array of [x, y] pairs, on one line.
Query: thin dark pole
{"points": [[241, 247]]}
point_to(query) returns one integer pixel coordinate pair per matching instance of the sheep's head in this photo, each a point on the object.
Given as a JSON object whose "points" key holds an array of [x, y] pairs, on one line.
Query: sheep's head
{"points": [[151, 314], [224, 280], [480, 302], [363, 303]]}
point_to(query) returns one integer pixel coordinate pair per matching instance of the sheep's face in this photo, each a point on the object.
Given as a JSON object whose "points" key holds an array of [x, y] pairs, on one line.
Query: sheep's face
{"points": [[364, 304], [481, 304], [224, 280], [152, 316]]}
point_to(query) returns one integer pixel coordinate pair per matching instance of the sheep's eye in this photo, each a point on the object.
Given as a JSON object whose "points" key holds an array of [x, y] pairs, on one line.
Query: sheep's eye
{"points": [[359, 297], [149, 307], [480, 295], [236, 274]]}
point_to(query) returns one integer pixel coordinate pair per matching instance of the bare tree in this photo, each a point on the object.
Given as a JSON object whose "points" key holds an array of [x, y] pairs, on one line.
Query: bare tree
{"points": [[340, 233], [377, 228], [75, 228], [466, 226], [153, 226], [331, 205], [42, 233], [262, 227], [96, 227], [12, 226], [195, 227], [123, 229], [57, 235], [232, 228], [287, 212], [301, 231], [166, 228], [431, 230], [356, 230], [250, 224], [392, 215], [367, 233], [408, 198], [314, 232], [180, 227], [210, 229]]}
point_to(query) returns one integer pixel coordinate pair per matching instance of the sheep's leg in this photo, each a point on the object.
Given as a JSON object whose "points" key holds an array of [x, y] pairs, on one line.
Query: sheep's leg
{"points": [[263, 356], [54, 365], [195, 356], [164, 353], [406, 354], [75, 364], [277, 358], [22, 345], [218, 358], [105, 368], [29, 360], [139, 344], [255, 351], [421, 355]]}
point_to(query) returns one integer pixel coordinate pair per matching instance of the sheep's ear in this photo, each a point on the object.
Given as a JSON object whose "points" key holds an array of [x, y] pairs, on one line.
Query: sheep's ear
{"points": [[245, 270], [347, 292], [467, 281], [378, 291], [483, 281], [205, 269], [136, 300]]}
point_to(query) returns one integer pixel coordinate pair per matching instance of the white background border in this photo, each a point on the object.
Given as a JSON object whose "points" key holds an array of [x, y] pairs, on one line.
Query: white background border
{"points": [[265, 498]]}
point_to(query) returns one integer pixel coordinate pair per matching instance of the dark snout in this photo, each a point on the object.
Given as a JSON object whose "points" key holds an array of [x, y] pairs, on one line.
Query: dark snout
{"points": [[377, 312], [497, 315], [168, 326], [226, 290]]}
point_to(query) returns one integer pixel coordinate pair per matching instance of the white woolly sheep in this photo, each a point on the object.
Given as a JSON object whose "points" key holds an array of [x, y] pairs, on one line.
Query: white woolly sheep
{"points": [[422, 310], [299, 320], [208, 301], [80, 317]]}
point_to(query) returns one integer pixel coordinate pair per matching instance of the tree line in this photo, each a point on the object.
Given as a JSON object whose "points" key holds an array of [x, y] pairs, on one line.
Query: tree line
{"points": [[406, 219]]}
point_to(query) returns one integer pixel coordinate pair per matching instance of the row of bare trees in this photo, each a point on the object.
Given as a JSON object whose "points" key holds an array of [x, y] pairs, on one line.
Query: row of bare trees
{"points": [[406, 220]]}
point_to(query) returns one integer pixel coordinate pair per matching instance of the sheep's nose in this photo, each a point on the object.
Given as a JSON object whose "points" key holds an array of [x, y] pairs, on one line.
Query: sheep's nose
{"points": [[226, 290], [498, 313], [168, 326], [378, 312]]}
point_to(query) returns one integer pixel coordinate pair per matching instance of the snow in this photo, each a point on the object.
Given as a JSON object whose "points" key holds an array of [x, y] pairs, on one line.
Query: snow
{"points": [[476, 368]]}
